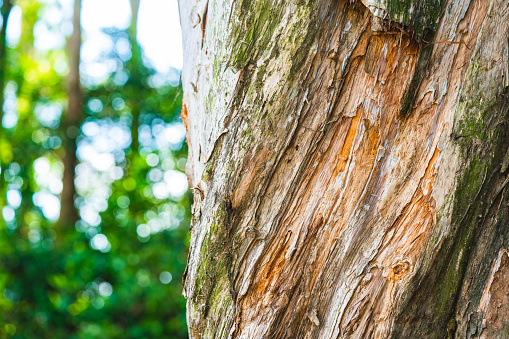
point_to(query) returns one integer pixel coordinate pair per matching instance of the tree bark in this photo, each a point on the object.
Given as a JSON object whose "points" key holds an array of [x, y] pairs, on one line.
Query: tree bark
{"points": [[71, 122], [350, 167]]}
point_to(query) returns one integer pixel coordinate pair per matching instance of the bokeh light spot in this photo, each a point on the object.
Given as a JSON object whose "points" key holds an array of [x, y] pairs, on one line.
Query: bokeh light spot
{"points": [[165, 277]]}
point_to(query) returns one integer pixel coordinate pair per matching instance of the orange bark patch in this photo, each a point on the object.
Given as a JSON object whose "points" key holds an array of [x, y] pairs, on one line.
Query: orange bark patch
{"points": [[271, 272], [184, 115], [345, 152], [429, 176]]}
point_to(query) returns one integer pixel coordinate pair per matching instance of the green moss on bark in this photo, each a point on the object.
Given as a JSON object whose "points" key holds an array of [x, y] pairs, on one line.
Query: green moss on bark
{"points": [[253, 34], [213, 283], [419, 15]]}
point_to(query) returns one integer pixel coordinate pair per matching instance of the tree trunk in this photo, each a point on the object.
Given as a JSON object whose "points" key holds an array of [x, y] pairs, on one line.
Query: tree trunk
{"points": [[71, 122], [136, 64], [5, 10], [350, 166]]}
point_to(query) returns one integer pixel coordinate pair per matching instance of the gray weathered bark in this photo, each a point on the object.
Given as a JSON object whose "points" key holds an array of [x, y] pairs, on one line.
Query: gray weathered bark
{"points": [[350, 165]]}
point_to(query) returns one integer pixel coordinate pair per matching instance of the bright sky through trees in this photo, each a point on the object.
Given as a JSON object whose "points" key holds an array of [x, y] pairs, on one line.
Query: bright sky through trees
{"points": [[160, 37], [158, 27]]}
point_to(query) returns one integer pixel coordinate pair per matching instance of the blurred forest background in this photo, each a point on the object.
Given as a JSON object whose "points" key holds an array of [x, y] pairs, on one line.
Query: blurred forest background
{"points": [[95, 208]]}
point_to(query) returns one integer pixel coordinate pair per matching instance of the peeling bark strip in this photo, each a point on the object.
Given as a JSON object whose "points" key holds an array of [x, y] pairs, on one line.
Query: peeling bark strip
{"points": [[349, 160]]}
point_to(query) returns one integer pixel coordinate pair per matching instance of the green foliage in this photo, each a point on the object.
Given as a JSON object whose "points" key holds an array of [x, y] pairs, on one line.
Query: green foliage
{"points": [[60, 282]]}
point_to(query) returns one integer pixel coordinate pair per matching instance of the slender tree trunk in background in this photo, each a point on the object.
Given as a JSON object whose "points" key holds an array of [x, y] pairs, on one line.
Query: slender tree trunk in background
{"points": [[350, 161], [135, 6], [5, 10], [135, 74], [71, 122]]}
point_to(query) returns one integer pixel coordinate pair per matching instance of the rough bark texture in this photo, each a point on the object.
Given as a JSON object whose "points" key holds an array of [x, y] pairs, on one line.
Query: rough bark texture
{"points": [[350, 167]]}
